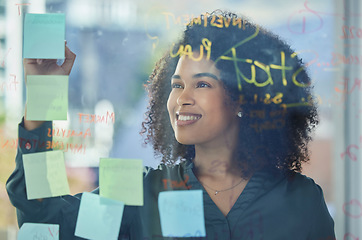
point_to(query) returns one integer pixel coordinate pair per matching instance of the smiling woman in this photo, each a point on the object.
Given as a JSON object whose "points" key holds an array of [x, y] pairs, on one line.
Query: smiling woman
{"points": [[239, 158], [202, 123]]}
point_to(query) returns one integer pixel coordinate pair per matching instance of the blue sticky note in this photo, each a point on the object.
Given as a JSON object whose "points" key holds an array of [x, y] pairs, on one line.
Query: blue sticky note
{"points": [[44, 36], [98, 217], [38, 231], [182, 213]]}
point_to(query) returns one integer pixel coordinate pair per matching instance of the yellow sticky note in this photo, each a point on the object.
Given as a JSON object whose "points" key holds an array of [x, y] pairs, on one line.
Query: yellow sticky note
{"points": [[47, 97], [121, 179], [45, 174]]}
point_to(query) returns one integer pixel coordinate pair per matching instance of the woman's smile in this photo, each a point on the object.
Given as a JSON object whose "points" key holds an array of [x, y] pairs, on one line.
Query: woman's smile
{"points": [[184, 118]]}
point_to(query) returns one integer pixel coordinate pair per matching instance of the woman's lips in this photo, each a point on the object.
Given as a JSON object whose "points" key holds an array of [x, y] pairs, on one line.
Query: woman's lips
{"points": [[183, 119]]}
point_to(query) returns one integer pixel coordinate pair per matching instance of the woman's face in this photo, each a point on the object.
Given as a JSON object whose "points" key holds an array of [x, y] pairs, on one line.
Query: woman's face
{"points": [[198, 106]]}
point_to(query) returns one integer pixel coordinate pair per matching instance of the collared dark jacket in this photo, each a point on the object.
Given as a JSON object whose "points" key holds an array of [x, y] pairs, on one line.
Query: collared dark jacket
{"points": [[271, 207]]}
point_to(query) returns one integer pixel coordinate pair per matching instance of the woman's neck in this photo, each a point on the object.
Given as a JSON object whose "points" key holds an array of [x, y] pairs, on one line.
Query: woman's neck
{"points": [[215, 159], [216, 162]]}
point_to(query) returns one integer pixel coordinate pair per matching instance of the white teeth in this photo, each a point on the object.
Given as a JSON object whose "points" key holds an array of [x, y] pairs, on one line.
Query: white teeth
{"points": [[187, 118]]}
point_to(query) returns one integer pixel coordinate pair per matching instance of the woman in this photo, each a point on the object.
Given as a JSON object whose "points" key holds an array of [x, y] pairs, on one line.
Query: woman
{"points": [[231, 113]]}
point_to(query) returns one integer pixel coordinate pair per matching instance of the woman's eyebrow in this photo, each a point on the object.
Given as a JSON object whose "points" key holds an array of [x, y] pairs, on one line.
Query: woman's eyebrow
{"points": [[176, 76], [206, 74]]}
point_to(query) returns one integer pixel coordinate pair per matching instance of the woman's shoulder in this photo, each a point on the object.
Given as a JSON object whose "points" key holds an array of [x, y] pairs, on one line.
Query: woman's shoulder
{"points": [[162, 168], [174, 171], [297, 192], [166, 177], [302, 184], [297, 202], [294, 186]]}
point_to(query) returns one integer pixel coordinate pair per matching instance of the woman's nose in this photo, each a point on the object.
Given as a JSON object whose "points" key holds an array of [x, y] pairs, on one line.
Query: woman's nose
{"points": [[185, 97]]}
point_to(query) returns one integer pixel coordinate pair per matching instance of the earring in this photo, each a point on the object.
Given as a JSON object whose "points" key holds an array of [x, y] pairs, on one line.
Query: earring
{"points": [[240, 114]]}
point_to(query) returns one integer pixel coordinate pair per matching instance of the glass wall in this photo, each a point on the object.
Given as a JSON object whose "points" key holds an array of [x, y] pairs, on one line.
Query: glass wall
{"points": [[117, 43]]}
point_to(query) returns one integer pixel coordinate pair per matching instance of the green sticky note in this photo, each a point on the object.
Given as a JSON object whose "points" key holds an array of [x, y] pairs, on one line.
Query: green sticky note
{"points": [[44, 35], [121, 179], [98, 218], [45, 174], [182, 213], [47, 97]]}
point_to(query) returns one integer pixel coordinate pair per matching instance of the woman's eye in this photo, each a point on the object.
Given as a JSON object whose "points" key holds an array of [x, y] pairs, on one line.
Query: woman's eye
{"points": [[176, 85], [203, 85]]}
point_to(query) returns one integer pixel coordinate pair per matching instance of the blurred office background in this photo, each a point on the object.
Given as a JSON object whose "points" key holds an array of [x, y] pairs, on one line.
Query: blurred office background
{"points": [[117, 43]]}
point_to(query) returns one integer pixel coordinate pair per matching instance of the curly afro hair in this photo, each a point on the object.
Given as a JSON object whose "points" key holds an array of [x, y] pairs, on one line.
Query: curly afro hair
{"points": [[262, 74]]}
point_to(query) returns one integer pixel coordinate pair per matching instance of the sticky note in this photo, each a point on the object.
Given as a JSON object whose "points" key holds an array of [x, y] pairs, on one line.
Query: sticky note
{"points": [[38, 231], [45, 174], [98, 218], [182, 213], [47, 97], [121, 179], [44, 36]]}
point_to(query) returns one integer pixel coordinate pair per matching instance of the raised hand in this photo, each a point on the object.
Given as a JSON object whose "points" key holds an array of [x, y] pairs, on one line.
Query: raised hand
{"points": [[46, 67], [49, 66]]}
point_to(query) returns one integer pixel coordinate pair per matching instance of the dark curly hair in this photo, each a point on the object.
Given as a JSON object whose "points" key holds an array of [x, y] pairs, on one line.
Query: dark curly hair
{"points": [[261, 73]]}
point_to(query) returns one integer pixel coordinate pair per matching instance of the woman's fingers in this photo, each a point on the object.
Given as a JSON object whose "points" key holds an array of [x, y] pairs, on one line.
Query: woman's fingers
{"points": [[29, 61], [38, 61], [69, 61], [49, 66]]}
